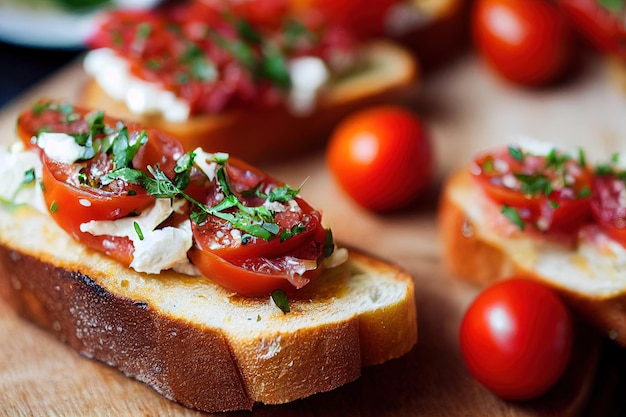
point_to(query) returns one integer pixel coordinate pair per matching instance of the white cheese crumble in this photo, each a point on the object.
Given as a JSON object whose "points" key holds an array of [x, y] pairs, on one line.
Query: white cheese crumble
{"points": [[534, 146], [156, 249], [61, 147], [205, 162], [14, 163], [113, 75], [308, 76]]}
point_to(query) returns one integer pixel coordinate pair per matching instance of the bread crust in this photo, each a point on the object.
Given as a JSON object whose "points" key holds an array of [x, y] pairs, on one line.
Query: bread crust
{"points": [[140, 342], [275, 134], [207, 367], [470, 257]]}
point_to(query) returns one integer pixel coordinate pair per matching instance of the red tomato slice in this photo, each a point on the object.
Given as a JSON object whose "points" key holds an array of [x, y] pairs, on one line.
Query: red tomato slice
{"points": [[258, 266], [70, 206], [242, 279], [549, 193], [72, 191], [281, 250]]}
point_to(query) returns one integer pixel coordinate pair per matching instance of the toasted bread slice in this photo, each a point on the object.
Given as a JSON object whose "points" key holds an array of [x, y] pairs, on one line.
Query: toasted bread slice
{"points": [[590, 277], [272, 134], [193, 341]]}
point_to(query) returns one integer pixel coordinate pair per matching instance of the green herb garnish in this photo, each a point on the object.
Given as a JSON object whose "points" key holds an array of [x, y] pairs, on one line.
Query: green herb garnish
{"points": [[280, 299], [516, 153], [29, 176], [513, 215], [138, 230], [532, 185]]}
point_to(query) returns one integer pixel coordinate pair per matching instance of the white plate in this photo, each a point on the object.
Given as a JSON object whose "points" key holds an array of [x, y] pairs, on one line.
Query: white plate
{"points": [[48, 27]]}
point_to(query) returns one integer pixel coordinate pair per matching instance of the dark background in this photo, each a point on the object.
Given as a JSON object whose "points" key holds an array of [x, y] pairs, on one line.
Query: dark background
{"points": [[23, 67]]}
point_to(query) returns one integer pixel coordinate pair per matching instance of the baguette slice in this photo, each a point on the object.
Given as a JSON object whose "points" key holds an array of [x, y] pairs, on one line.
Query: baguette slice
{"points": [[191, 340], [274, 134], [590, 277]]}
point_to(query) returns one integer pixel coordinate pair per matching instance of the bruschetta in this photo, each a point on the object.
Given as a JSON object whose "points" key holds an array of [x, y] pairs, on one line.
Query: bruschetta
{"points": [[224, 79], [547, 214], [193, 272]]}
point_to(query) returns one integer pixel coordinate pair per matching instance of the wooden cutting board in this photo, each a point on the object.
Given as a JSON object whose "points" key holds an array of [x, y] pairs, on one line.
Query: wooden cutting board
{"points": [[467, 109]]}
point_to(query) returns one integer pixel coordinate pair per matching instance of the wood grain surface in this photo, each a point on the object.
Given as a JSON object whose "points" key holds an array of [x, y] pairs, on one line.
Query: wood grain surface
{"points": [[467, 109]]}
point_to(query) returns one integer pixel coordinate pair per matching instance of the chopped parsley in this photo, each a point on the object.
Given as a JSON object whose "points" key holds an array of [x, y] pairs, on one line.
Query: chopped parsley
{"points": [[613, 6], [513, 215], [255, 221], [533, 185], [138, 230], [516, 153], [29, 176], [280, 299]]}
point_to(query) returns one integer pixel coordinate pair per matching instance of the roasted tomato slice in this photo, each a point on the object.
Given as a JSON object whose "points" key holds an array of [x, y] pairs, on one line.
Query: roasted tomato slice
{"points": [[257, 245], [75, 192], [72, 201], [549, 192]]}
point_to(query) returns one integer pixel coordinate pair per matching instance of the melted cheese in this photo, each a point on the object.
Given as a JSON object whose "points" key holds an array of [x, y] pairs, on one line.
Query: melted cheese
{"points": [[155, 249]]}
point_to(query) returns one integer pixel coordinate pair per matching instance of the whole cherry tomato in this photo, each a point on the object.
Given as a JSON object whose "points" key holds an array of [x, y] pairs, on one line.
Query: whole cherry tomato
{"points": [[381, 157], [527, 42], [516, 338]]}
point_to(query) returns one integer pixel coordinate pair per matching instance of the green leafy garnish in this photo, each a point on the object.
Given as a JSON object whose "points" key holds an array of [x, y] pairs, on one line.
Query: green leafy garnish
{"points": [[124, 151], [283, 194], [274, 66], [29, 176], [513, 215], [532, 185], [584, 192], [40, 107], [54, 207], [329, 244], [253, 221], [143, 31], [280, 299], [614, 6], [582, 159], [138, 230], [516, 153], [202, 69], [295, 230], [294, 31]]}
